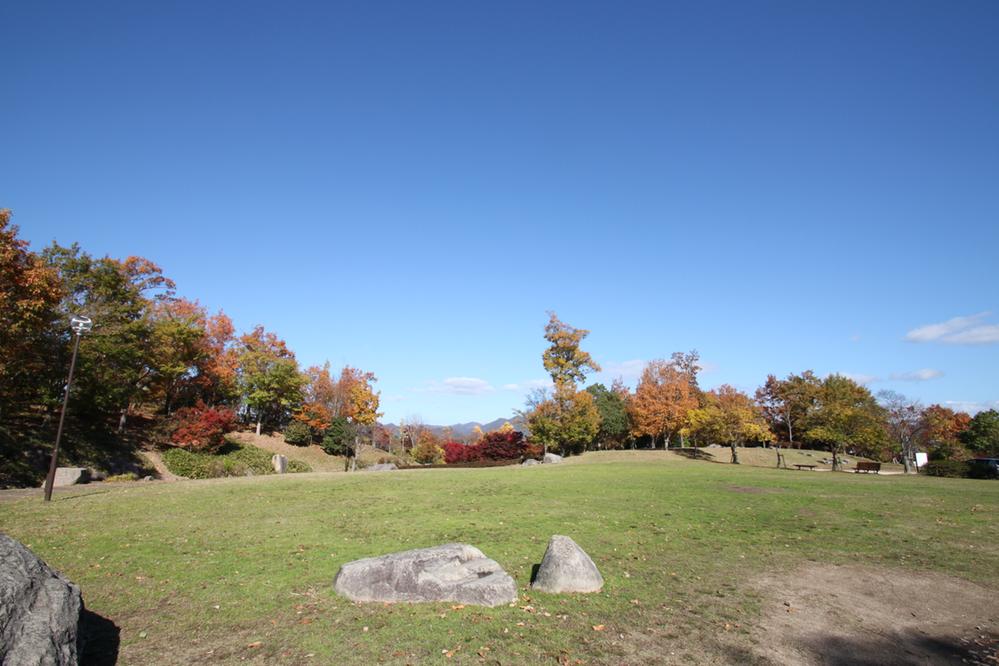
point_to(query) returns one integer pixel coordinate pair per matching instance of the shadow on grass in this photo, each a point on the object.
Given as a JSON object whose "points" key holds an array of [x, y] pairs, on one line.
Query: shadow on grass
{"points": [[694, 454], [900, 648], [98, 640]]}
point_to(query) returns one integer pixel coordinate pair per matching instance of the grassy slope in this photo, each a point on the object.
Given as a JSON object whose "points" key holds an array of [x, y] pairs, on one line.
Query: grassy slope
{"points": [[313, 455], [209, 569]]}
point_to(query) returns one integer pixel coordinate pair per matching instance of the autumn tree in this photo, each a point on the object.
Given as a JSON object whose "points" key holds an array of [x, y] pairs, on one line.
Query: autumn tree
{"points": [[29, 296], [428, 449], [785, 402], [567, 421], [568, 426], [904, 424], [845, 414], [663, 398], [941, 432], [730, 418], [269, 378]]}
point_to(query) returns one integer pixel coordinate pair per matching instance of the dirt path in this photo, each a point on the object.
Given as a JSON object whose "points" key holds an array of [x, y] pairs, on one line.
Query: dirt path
{"points": [[839, 615], [156, 460]]}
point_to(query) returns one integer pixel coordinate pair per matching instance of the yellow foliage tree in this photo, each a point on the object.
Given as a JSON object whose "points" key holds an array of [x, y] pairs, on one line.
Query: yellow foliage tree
{"points": [[729, 417]]}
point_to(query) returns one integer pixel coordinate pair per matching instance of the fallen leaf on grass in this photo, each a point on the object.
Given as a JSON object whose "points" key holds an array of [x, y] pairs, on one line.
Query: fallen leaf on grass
{"points": [[255, 644], [598, 627]]}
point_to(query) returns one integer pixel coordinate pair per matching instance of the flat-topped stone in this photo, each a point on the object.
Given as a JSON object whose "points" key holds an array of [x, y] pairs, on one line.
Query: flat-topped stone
{"points": [[552, 458], [70, 476], [454, 572]]}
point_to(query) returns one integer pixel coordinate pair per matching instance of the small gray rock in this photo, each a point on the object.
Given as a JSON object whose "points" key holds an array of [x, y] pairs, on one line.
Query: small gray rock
{"points": [[280, 463], [529, 462], [567, 568], [454, 572], [39, 609], [552, 458], [70, 476], [382, 467]]}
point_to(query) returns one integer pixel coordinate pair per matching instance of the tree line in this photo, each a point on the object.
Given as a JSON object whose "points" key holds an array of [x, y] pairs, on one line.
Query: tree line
{"points": [[669, 408], [151, 353]]}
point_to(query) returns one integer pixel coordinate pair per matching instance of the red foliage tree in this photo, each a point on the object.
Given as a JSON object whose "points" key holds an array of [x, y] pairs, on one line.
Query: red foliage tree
{"points": [[501, 445], [203, 428]]}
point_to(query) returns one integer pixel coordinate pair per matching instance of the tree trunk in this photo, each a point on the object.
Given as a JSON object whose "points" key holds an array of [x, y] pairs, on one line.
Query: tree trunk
{"points": [[790, 433], [258, 426], [835, 453], [735, 455], [121, 420]]}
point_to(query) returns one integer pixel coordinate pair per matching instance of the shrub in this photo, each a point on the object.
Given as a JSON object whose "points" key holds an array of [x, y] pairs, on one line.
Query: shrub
{"points": [[202, 428], [948, 468], [120, 478], [231, 460], [535, 451], [298, 433]]}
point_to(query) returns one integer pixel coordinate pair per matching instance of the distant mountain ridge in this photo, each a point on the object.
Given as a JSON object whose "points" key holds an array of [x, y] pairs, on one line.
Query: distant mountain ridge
{"points": [[461, 429]]}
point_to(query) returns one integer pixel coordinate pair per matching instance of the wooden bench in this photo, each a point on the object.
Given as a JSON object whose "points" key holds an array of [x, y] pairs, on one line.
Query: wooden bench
{"points": [[804, 466], [865, 467]]}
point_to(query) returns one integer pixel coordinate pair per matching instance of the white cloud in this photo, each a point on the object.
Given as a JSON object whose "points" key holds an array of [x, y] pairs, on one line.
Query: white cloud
{"points": [[967, 330], [925, 374], [625, 369], [459, 386], [861, 378], [971, 407]]}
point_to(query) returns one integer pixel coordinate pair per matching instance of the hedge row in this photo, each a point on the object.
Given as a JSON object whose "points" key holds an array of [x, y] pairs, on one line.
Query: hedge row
{"points": [[960, 469], [477, 463]]}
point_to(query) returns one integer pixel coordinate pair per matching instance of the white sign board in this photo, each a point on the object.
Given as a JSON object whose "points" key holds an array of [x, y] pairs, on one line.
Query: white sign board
{"points": [[921, 459]]}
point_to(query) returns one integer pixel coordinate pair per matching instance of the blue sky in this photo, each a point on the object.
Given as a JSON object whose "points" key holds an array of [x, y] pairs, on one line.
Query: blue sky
{"points": [[408, 187]]}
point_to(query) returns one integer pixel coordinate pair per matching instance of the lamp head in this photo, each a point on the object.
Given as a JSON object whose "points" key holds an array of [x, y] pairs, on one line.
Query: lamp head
{"points": [[80, 324]]}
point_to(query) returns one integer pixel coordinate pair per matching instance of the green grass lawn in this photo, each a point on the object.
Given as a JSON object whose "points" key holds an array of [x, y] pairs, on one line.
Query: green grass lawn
{"points": [[233, 569]]}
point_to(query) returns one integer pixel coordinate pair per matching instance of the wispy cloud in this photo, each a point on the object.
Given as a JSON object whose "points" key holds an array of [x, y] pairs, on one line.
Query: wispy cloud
{"points": [[861, 378], [923, 375], [458, 386], [970, 406], [624, 369], [969, 330]]}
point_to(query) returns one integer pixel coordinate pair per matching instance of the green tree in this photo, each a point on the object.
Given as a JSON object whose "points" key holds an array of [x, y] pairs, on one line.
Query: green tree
{"points": [[269, 377], [116, 363], [615, 424], [845, 414], [340, 438], [982, 434]]}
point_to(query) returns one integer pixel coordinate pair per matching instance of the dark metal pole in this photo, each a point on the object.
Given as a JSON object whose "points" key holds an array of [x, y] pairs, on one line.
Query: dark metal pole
{"points": [[50, 479]]}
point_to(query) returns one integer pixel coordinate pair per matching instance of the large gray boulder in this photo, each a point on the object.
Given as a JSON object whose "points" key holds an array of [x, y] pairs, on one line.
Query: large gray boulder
{"points": [[567, 568], [529, 462], [381, 467], [70, 476], [279, 463], [39, 610], [453, 572], [551, 458]]}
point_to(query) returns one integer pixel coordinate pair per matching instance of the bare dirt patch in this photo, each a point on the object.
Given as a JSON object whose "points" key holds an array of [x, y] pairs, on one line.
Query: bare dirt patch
{"points": [[832, 615]]}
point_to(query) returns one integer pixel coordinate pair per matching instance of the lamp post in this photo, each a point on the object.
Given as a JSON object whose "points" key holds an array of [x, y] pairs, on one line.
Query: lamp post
{"points": [[80, 325]]}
